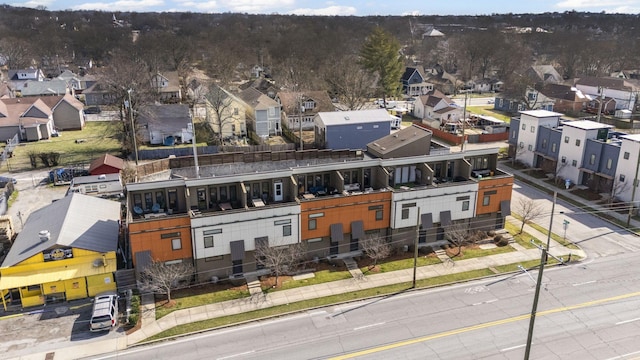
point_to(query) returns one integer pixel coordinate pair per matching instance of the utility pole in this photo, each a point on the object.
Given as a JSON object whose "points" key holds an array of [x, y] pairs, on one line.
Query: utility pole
{"points": [[301, 114], [601, 90], [543, 261], [195, 148], [464, 119], [133, 128]]}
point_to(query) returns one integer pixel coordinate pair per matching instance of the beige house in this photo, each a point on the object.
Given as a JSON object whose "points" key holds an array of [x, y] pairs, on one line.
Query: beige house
{"points": [[225, 113]]}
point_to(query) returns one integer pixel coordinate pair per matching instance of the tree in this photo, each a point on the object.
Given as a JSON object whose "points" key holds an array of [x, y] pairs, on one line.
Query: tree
{"points": [[458, 234], [528, 209], [279, 259], [376, 248], [161, 278], [349, 83], [15, 52], [220, 111], [380, 55]]}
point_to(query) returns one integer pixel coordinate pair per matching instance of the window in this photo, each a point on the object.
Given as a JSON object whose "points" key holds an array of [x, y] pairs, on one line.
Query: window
{"points": [[405, 214], [544, 143], [626, 155], [574, 163], [577, 142], [530, 147], [176, 244], [592, 159], [553, 147], [170, 235], [609, 163], [286, 230], [235, 111], [379, 215], [533, 129], [564, 160], [566, 139], [465, 205], [622, 177], [524, 126], [312, 224], [208, 242], [513, 134], [485, 200], [521, 145]]}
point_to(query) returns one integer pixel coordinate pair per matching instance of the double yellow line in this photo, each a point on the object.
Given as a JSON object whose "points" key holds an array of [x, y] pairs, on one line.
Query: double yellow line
{"points": [[483, 326]]}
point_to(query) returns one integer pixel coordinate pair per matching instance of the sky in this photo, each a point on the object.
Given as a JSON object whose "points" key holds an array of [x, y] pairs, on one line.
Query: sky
{"points": [[345, 7]]}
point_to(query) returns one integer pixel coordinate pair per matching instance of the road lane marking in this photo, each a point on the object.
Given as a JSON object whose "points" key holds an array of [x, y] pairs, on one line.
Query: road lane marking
{"points": [[584, 283], [368, 326], [624, 355], [627, 321], [236, 355], [513, 348], [482, 326]]}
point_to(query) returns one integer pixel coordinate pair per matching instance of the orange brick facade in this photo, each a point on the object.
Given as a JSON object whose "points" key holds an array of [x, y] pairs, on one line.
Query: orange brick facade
{"points": [[157, 236]]}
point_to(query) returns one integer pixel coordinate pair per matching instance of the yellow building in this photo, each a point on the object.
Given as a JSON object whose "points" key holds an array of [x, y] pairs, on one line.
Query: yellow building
{"points": [[67, 250]]}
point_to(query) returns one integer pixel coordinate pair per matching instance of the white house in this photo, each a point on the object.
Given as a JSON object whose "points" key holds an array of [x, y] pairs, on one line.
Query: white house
{"points": [[530, 120], [574, 139]]}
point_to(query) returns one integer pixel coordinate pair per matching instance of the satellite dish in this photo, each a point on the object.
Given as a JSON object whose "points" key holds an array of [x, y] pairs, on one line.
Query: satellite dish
{"points": [[98, 262]]}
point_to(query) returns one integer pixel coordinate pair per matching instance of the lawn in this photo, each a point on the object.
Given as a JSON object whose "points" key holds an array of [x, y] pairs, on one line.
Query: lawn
{"points": [[489, 111], [319, 277], [399, 264], [474, 251], [523, 239], [78, 147], [199, 295]]}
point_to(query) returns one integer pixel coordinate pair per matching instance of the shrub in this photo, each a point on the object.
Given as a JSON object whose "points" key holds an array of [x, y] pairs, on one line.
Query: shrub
{"points": [[500, 240]]}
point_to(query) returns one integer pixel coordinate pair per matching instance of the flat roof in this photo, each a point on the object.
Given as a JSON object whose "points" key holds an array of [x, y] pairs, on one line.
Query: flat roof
{"points": [[354, 117], [586, 124], [540, 113]]}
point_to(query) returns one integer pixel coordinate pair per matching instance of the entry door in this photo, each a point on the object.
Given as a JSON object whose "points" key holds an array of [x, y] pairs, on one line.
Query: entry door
{"points": [[277, 192], [237, 267]]}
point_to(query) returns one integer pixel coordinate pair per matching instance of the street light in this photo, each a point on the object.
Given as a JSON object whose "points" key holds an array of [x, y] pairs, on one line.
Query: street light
{"points": [[133, 129]]}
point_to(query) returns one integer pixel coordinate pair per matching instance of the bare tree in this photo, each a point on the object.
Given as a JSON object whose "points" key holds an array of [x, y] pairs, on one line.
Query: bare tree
{"points": [[617, 188], [280, 259], [458, 234], [349, 83], [528, 209], [15, 52], [376, 248], [220, 111], [160, 278]]}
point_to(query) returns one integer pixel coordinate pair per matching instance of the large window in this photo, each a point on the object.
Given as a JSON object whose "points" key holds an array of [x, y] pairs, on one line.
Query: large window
{"points": [[286, 230], [486, 200], [313, 224], [176, 244], [405, 214], [208, 241], [465, 205]]}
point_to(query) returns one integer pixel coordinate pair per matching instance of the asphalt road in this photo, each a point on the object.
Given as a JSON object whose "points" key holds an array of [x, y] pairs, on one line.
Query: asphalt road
{"points": [[595, 235], [586, 311]]}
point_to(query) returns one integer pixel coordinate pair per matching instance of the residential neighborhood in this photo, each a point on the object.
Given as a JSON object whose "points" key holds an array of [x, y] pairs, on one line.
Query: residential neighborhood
{"points": [[186, 180]]}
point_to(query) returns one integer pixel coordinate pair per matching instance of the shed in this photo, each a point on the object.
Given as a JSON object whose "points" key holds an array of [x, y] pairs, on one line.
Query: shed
{"points": [[623, 114], [106, 164]]}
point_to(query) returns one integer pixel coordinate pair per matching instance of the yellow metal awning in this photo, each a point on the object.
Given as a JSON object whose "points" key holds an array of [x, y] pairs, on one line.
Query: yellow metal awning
{"points": [[36, 277]]}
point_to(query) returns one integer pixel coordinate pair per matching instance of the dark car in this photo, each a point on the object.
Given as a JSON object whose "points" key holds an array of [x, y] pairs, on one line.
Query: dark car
{"points": [[93, 110]]}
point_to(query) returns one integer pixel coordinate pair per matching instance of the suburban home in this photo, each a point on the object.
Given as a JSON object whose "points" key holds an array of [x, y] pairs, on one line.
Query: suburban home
{"points": [[443, 81], [30, 118], [49, 87], [98, 94], [67, 112], [63, 252], [263, 113], [413, 82], [618, 93], [532, 99], [543, 74], [479, 85], [567, 98], [167, 86], [350, 129], [436, 106], [25, 74], [106, 164], [328, 200], [76, 82], [165, 124], [225, 113], [303, 105]]}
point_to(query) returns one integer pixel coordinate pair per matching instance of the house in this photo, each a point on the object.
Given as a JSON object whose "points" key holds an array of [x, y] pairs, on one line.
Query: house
{"points": [[98, 94], [106, 164], [618, 93], [19, 75], [225, 113], [165, 124], [328, 200], [49, 87], [350, 129], [167, 86], [263, 113], [479, 85], [63, 252], [543, 74], [443, 81], [104, 185], [31, 118], [566, 98], [414, 140], [305, 106], [77, 82], [436, 106], [413, 82], [67, 112], [532, 99]]}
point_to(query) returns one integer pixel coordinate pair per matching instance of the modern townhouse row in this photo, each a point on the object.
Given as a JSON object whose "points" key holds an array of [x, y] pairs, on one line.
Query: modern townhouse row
{"points": [[579, 152], [216, 216]]}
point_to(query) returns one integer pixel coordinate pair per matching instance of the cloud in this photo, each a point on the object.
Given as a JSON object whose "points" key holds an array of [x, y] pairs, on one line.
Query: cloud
{"points": [[34, 3], [188, 5], [122, 5], [328, 11], [412, 13], [254, 6]]}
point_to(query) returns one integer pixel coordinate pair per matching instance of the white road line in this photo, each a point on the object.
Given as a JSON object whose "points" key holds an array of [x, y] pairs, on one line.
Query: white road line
{"points": [[236, 355], [624, 355], [584, 283], [316, 313], [490, 301], [513, 348], [627, 321], [368, 326]]}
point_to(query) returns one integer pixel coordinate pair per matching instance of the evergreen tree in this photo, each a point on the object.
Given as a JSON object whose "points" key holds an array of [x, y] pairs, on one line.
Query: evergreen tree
{"points": [[380, 55]]}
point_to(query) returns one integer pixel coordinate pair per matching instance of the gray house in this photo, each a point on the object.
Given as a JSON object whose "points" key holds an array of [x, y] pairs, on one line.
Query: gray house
{"points": [[67, 112], [351, 129], [263, 113], [165, 124], [31, 118]]}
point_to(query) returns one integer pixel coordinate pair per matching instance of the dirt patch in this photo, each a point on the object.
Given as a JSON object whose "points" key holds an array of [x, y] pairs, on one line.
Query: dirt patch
{"points": [[587, 194]]}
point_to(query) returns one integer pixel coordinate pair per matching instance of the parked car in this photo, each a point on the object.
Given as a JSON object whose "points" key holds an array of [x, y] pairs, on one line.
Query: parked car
{"points": [[105, 312], [93, 110]]}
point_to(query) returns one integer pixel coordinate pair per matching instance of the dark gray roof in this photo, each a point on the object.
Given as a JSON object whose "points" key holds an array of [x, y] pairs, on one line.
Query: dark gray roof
{"points": [[77, 221], [167, 117]]}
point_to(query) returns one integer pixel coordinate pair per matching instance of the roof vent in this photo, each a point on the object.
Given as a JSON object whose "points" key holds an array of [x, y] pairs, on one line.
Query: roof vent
{"points": [[44, 235], [346, 118], [102, 176]]}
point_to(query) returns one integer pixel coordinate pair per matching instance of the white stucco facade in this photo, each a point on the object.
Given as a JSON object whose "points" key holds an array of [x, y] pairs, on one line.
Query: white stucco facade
{"points": [[528, 132]]}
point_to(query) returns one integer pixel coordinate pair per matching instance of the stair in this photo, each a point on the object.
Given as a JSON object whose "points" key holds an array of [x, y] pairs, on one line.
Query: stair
{"points": [[253, 284], [353, 268]]}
